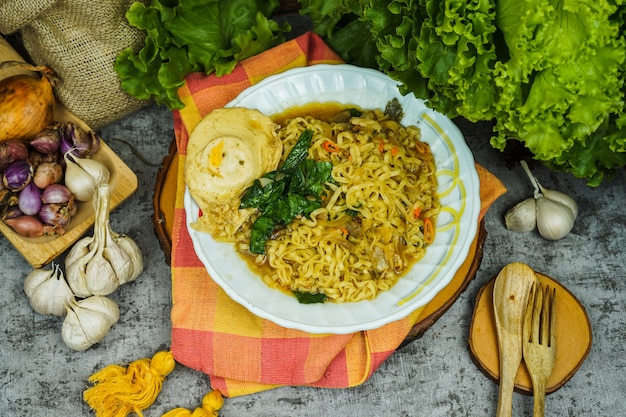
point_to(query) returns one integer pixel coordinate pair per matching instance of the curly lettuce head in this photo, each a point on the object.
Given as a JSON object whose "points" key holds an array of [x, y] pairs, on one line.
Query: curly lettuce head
{"points": [[562, 88], [550, 73]]}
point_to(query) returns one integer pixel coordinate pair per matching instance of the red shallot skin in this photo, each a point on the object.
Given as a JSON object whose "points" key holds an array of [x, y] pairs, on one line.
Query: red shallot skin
{"points": [[79, 142], [56, 193], [71, 206], [29, 226], [11, 151], [36, 158], [57, 215], [48, 140], [12, 212], [17, 175], [8, 204], [29, 200]]}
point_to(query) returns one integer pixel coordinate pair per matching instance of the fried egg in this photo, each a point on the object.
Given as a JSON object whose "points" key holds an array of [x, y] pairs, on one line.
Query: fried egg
{"points": [[226, 152]]}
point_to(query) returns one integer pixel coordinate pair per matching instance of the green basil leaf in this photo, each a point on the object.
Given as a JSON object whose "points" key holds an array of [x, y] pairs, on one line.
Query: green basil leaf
{"points": [[310, 298]]}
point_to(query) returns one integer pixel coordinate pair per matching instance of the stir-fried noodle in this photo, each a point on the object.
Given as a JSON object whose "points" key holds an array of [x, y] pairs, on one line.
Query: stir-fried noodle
{"points": [[376, 219]]}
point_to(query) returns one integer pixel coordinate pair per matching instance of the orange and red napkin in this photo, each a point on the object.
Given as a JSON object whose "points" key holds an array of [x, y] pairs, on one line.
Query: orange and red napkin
{"points": [[241, 352]]}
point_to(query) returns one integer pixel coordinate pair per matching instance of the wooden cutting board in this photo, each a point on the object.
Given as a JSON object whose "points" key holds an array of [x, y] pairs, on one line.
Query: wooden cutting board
{"points": [[40, 251], [163, 219]]}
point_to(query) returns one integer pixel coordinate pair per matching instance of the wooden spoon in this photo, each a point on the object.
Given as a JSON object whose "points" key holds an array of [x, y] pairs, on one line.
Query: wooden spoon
{"points": [[510, 298]]}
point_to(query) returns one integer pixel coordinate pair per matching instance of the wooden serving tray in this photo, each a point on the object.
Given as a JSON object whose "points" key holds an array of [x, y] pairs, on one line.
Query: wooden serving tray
{"points": [[573, 337], [163, 219], [42, 250]]}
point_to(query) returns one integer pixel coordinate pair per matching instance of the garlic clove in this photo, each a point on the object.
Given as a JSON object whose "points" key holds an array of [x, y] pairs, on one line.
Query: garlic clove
{"points": [[93, 323], [88, 321], [135, 255], [128, 251], [47, 291], [72, 332], [554, 220], [117, 256], [561, 198], [75, 264], [100, 277], [34, 279], [99, 273], [104, 306], [555, 212], [97, 170], [522, 217]]}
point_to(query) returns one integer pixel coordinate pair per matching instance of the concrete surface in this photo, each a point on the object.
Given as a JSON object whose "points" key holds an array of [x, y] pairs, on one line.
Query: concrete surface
{"points": [[432, 376]]}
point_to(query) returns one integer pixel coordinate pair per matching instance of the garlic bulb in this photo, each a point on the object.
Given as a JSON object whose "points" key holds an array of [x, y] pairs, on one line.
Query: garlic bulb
{"points": [[88, 321], [552, 212], [98, 265], [97, 170], [84, 175], [47, 291]]}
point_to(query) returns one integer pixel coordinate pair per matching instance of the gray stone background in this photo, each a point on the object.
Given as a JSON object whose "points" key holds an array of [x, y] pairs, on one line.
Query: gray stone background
{"points": [[432, 376]]}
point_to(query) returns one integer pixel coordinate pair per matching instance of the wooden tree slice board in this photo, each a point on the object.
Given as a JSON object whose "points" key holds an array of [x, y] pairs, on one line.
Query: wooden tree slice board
{"points": [[573, 337], [163, 202]]}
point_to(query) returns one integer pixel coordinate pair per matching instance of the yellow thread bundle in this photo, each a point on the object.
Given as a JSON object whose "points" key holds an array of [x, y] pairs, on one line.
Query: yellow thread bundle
{"points": [[211, 402], [119, 391]]}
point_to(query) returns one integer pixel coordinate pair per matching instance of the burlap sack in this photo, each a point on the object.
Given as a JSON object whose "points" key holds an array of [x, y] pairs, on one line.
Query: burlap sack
{"points": [[79, 40]]}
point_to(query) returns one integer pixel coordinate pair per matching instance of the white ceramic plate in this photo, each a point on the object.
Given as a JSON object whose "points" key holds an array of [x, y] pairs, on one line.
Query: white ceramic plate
{"points": [[456, 225]]}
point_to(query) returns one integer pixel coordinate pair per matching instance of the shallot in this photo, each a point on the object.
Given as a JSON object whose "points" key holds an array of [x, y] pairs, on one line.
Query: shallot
{"points": [[29, 200], [79, 142], [56, 193], [56, 215], [48, 140], [29, 226], [17, 175], [47, 173], [11, 151]]}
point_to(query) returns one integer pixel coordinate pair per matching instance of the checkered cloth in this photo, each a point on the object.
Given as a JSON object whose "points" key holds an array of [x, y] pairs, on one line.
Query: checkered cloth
{"points": [[241, 352]]}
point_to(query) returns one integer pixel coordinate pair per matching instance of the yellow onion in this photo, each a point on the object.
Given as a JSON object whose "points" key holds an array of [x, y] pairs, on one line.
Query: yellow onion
{"points": [[26, 103]]}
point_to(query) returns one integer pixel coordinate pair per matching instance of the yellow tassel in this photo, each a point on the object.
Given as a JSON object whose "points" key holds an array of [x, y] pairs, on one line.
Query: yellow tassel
{"points": [[211, 402], [119, 391]]}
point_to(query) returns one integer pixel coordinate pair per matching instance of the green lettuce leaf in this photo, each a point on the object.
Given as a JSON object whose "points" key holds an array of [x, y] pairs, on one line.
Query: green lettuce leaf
{"points": [[340, 24], [551, 74], [185, 36], [456, 54]]}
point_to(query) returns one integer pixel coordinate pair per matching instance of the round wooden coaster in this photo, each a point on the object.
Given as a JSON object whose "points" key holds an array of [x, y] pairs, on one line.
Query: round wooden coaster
{"points": [[573, 337], [163, 202]]}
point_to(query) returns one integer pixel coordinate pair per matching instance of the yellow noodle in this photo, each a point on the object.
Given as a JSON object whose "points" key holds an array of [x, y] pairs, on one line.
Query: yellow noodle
{"points": [[383, 188]]}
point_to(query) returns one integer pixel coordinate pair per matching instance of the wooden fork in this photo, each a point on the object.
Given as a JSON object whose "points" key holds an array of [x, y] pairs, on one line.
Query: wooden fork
{"points": [[539, 342]]}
